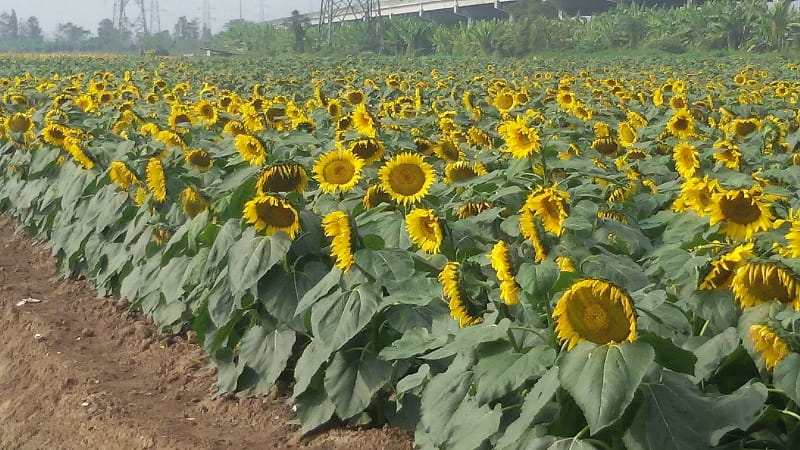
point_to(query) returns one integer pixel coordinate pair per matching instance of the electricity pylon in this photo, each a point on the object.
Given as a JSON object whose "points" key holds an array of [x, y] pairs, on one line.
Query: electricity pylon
{"points": [[333, 12], [123, 23]]}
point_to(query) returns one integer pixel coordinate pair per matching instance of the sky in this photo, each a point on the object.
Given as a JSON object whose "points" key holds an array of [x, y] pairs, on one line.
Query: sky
{"points": [[88, 13]]}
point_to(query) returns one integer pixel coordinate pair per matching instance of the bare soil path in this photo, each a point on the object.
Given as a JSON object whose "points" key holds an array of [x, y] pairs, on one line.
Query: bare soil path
{"points": [[78, 372]]}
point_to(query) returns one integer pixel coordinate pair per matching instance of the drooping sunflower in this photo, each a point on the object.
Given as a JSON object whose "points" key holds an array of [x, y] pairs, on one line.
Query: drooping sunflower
{"points": [[251, 149], [605, 145], [743, 127], [551, 205], [192, 202], [425, 230], [170, 139], [721, 270], [199, 159], [72, 145], [596, 311], [270, 214], [286, 177], [697, 195], [771, 346], [368, 149], [501, 263], [234, 128], [472, 209], [180, 116], [793, 236], [681, 124], [530, 230], [462, 171], [757, 283], [355, 97], [54, 134], [743, 211], [455, 297], [447, 150], [363, 121], [336, 225], [374, 196], [686, 161], [521, 140], [626, 134], [19, 123], [121, 175], [407, 178], [338, 171], [156, 181]]}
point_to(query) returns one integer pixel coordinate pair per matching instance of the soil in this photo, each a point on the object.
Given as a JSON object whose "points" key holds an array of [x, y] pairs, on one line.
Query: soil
{"points": [[81, 372]]}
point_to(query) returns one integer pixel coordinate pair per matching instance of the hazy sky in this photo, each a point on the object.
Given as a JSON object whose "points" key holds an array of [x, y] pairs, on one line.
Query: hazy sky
{"points": [[87, 13]]}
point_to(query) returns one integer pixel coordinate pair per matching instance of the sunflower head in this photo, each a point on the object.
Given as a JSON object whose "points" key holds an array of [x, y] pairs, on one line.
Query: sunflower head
{"points": [[121, 175], [54, 134], [270, 214], [251, 149], [407, 178], [461, 309], [374, 196], [336, 225], [767, 342], [626, 134], [501, 263], [338, 171], [192, 203], [605, 145], [156, 181], [521, 140], [447, 150], [425, 229], [287, 177], [462, 171], [744, 212], [363, 121], [596, 311], [681, 124], [368, 149], [720, 271], [19, 123], [686, 161], [756, 283], [199, 159], [551, 205], [473, 209], [696, 195]]}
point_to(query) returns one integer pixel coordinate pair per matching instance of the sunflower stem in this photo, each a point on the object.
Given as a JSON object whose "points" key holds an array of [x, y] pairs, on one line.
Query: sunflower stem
{"points": [[581, 433], [598, 443], [705, 327], [530, 330], [791, 414], [514, 343]]}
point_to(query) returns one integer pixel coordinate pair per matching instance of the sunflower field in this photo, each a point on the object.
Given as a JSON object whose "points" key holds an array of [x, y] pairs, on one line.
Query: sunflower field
{"points": [[560, 254]]}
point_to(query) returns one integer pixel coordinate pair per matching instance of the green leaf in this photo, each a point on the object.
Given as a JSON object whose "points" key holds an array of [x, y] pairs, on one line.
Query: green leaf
{"points": [[786, 376], [313, 357], [537, 279], [314, 408], [353, 378], [252, 256], [386, 267], [441, 398], [534, 402], [340, 316], [266, 351], [414, 380], [473, 424], [226, 237], [280, 291], [553, 443], [670, 355], [412, 343], [711, 352], [602, 379], [468, 338], [322, 288], [501, 370]]}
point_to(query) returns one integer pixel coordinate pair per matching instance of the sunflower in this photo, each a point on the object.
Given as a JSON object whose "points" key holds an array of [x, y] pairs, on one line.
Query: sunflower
{"points": [[626, 134], [156, 181], [234, 128], [771, 346], [355, 97], [180, 116], [206, 112], [743, 212], [605, 145], [170, 139], [192, 203], [72, 145], [54, 134], [530, 230], [368, 149], [681, 124], [199, 159], [407, 178], [686, 162], [338, 171], [521, 140], [446, 149], [504, 100], [501, 263], [425, 230], [287, 177], [374, 196], [121, 175], [697, 195], [19, 123], [472, 209], [742, 127], [565, 264], [757, 283], [551, 205], [596, 311], [251, 149], [271, 214], [336, 225], [363, 121], [793, 236], [567, 100], [721, 270], [334, 108], [455, 297], [462, 171], [730, 156]]}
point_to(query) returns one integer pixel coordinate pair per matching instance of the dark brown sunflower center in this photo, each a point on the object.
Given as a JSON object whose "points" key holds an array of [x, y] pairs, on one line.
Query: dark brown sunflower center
{"points": [[740, 209], [366, 148], [768, 286], [275, 215]]}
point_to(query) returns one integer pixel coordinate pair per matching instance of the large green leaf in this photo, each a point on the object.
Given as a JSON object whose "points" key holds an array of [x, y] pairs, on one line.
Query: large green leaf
{"points": [[787, 376], [341, 315], [388, 266], [252, 256], [500, 369], [266, 351], [711, 352], [468, 338], [473, 424], [412, 343], [352, 379], [534, 402], [670, 355], [441, 398], [602, 379]]}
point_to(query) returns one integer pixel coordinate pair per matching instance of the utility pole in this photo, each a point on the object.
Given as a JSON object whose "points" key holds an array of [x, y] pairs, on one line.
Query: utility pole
{"points": [[206, 18], [155, 17], [263, 11], [339, 11]]}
